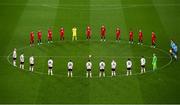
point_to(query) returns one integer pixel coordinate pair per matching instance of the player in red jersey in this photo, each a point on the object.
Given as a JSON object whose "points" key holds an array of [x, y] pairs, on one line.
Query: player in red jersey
{"points": [[39, 34], [131, 35], [62, 34], [50, 36], [118, 33], [103, 33], [88, 33], [140, 37], [153, 40], [31, 38]]}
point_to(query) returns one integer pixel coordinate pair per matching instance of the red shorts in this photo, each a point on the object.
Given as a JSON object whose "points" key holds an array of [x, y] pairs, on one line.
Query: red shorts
{"points": [[140, 38]]}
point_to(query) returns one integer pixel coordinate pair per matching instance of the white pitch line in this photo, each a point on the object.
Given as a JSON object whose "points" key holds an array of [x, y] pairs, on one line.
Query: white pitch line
{"points": [[105, 7]]}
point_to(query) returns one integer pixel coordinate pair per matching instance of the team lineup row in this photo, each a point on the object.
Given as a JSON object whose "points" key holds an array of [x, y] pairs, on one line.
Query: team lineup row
{"points": [[88, 35], [88, 65]]}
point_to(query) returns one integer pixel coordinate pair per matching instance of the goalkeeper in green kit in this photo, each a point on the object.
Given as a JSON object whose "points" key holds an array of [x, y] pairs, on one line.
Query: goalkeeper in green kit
{"points": [[154, 62]]}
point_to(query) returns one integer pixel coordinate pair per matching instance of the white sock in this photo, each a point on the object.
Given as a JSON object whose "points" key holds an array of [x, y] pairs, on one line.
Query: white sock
{"points": [[51, 72], [130, 73], [48, 72], [127, 73], [29, 68], [32, 69], [112, 73], [103, 74], [141, 70], [14, 63], [90, 74], [71, 74], [144, 70], [99, 74], [86, 74], [22, 66], [68, 73]]}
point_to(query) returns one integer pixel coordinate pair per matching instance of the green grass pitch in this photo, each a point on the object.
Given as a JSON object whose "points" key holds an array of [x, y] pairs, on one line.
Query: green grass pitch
{"points": [[19, 17]]}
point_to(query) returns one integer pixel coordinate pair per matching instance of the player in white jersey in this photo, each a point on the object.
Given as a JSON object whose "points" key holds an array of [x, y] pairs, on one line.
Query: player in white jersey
{"points": [[129, 67], [143, 63], [31, 62], [14, 56], [102, 68], [50, 66], [21, 61], [113, 67], [89, 67], [70, 68]]}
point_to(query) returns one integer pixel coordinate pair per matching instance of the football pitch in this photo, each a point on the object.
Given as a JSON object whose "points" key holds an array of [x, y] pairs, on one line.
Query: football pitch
{"points": [[19, 17]]}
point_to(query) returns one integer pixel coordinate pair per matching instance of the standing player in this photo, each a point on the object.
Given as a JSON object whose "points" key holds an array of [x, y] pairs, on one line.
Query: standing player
{"points": [[50, 36], [103, 33], [89, 67], [118, 33], [173, 49], [62, 34], [21, 61], [50, 66], [143, 63], [140, 37], [131, 35], [129, 67], [14, 57], [70, 68], [102, 68], [39, 34], [154, 62], [31, 62], [153, 40], [113, 67], [74, 35], [88, 33], [31, 39]]}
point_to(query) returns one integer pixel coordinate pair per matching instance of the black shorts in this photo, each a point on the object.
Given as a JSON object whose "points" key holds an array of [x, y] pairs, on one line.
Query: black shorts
{"points": [[21, 62], [102, 70], [50, 67], [31, 64], [69, 69], [88, 69], [143, 66], [129, 69], [14, 59], [113, 69]]}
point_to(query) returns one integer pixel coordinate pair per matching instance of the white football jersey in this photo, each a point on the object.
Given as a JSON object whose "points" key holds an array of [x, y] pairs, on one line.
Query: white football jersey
{"points": [[70, 65], [113, 64], [21, 58], [14, 54], [50, 63], [102, 65], [88, 65], [129, 64], [31, 60], [143, 61]]}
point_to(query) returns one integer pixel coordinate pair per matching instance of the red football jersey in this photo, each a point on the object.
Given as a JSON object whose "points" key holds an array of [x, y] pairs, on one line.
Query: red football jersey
{"points": [[153, 36], [39, 35], [61, 32], [131, 34], [32, 36], [103, 31], [88, 31], [140, 35], [118, 32], [49, 34]]}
